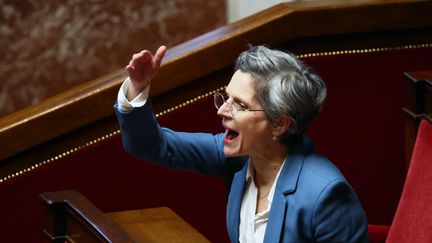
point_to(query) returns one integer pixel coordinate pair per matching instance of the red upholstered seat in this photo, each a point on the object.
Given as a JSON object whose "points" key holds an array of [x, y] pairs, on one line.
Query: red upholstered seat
{"points": [[413, 219]]}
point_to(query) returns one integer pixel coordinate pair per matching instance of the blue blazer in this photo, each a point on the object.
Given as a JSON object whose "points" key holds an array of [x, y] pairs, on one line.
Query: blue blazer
{"points": [[313, 202]]}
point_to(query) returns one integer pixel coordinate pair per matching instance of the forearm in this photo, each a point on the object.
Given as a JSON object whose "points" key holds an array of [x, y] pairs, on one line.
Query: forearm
{"points": [[142, 137], [139, 130]]}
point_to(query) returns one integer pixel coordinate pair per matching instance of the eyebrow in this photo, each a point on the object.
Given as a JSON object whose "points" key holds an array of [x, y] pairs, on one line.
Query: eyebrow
{"points": [[238, 99]]}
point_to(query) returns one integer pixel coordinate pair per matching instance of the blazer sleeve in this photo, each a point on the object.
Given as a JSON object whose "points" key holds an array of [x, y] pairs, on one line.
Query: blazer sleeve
{"points": [[144, 138], [338, 215]]}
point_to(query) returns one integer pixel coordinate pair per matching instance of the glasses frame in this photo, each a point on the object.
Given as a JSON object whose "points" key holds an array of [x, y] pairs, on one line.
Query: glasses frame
{"points": [[231, 104]]}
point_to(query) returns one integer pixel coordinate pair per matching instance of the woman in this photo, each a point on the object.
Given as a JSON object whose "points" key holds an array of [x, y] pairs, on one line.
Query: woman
{"points": [[281, 190]]}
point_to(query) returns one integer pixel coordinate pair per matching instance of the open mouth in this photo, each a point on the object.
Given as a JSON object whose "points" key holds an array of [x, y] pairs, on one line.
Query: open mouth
{"points": [[231, 135]]}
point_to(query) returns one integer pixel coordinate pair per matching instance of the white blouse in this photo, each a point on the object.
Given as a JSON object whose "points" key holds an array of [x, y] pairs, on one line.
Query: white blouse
{"points": [[252, 225]]}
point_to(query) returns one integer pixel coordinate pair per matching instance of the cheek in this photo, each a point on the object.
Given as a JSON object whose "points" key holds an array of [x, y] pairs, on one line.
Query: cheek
{"points": [[255, 128]]}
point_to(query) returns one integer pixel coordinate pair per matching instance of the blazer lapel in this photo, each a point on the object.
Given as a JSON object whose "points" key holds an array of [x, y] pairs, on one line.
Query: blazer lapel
{"points": [[286, 184], [276, 218], [234, 202]]}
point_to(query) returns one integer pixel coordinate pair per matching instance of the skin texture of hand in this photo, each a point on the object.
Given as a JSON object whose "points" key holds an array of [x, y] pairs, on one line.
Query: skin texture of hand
{"points": [[142, 69]]}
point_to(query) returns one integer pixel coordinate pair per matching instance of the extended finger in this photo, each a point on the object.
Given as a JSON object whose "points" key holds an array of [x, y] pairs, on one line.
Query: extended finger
{"points": [[160, 53]]}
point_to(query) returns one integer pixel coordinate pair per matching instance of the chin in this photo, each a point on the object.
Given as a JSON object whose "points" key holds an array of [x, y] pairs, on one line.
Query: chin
{"points": [[229, 153]]}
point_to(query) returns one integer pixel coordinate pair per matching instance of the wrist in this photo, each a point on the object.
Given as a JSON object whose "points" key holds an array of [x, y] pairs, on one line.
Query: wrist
{"points": [[134, 90]]}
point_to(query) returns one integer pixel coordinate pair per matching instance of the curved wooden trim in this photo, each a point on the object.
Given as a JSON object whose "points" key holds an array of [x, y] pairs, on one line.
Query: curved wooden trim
{"points": [[63, 204], [208, 53]]}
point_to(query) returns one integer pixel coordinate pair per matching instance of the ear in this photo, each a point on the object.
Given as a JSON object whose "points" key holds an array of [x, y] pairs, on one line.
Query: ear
{"points": [[281, 126]]}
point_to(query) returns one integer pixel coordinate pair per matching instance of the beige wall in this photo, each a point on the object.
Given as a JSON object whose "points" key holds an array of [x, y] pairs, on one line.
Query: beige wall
{"points": [[238, 9], [48, 46]]}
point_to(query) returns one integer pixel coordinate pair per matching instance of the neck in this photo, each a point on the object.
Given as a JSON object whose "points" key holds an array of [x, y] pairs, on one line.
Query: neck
{"points": [[267, 167]]}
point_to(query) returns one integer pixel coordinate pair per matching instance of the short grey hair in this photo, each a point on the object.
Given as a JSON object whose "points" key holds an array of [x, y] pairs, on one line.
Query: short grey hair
{"points": [[285, 87]]}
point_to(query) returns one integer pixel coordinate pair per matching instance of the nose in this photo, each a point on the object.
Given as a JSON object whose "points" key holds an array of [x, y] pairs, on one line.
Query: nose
{"points": [[223, 111]]}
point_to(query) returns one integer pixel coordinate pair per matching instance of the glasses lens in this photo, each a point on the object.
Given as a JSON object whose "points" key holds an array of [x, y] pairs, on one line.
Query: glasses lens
{"points": [[219, 100]]}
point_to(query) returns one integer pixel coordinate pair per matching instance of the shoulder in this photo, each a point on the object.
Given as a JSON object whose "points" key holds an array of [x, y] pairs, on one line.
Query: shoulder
{"points": [[314, 172], [318, 178], [310, 176], [320, 170]]}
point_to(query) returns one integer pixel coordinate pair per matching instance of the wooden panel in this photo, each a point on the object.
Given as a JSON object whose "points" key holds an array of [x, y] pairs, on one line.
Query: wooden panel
{"points": [[156, 225], [418, 106]]}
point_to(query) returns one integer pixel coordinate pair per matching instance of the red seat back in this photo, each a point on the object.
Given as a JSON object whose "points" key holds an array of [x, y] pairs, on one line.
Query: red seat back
{"points": [[413, 218]]}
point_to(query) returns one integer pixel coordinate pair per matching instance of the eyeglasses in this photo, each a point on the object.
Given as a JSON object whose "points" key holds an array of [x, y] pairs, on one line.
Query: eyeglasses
{"points": [[233, 106]]}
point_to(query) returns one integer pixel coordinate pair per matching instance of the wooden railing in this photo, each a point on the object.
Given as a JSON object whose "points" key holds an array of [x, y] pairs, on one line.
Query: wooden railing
{"points": [[72, 215]]}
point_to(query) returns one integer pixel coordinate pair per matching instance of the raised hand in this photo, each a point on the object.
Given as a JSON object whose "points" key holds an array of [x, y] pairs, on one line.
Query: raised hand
{"points": [[142, 69]]}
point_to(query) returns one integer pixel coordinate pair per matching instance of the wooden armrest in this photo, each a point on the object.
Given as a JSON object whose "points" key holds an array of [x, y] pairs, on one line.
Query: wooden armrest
{"points": [[67, 207]]}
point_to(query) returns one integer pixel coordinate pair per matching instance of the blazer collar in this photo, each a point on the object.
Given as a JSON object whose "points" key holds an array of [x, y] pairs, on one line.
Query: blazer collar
{"points": [[234, 203], [288, 178], [286, 184]]}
